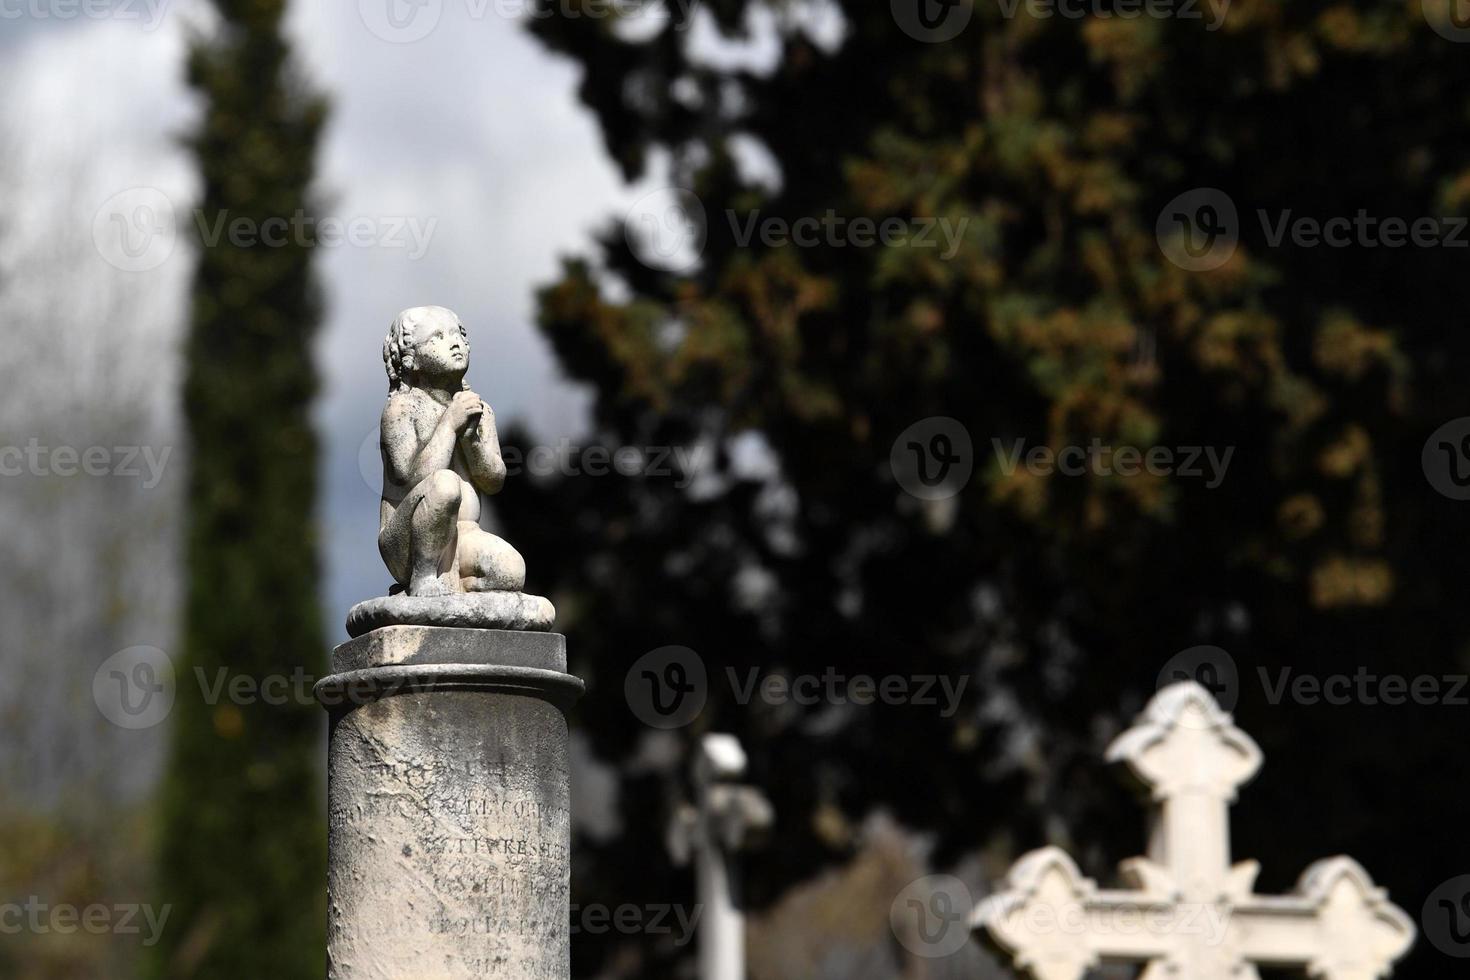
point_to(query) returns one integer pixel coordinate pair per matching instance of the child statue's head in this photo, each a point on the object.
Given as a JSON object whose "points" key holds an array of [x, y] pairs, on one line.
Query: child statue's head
{"points": [[425, 341]]}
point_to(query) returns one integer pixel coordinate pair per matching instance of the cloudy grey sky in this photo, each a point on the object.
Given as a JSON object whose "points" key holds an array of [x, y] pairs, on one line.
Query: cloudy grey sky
{"points": [[473, 133], [456, 143], [466, 151]]}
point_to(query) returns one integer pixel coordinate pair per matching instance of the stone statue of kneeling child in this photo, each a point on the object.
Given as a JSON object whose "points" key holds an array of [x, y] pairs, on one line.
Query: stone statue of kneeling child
{"points": [[441, 455]]}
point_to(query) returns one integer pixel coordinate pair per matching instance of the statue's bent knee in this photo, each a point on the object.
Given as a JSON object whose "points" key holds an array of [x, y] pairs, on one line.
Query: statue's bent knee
{"points": [[444, 489]]}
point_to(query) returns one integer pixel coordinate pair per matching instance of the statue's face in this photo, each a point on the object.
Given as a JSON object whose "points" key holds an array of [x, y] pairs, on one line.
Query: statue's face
{"points": [[439, 345]]}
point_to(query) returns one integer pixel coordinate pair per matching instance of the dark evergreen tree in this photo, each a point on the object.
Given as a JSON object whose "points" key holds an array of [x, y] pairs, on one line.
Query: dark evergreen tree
{"points": [[243, 849], [1060, 320]]}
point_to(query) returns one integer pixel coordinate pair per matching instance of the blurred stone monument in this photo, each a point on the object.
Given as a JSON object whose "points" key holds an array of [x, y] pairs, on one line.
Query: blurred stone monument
{"points": [[1190, 913], [448, 778], [725, 817]]}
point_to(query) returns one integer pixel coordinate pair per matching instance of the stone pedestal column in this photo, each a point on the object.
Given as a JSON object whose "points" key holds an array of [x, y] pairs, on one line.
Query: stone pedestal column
{"points": [[448, 796]]}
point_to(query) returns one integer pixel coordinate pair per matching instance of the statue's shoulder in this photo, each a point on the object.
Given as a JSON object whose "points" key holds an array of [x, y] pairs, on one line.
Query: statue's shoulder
{"points": [[401, 403]]}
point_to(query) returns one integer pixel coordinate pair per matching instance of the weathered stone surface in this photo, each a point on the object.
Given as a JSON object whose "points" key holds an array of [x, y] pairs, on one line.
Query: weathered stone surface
{"points": [[463, 610], [449, 806], [1191, 912], [418, 645], [441, 457]]}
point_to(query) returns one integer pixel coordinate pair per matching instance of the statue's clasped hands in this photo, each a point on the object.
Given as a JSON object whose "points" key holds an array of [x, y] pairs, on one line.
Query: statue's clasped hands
{"points": [[466, 409]]}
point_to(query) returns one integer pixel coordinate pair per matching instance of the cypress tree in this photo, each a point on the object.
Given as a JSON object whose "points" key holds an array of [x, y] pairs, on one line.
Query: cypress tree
{"points": [[243, 850]]}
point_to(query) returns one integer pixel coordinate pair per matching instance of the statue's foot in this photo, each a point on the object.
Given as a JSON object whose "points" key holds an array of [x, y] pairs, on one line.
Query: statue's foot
{"points": [[427, 586]]}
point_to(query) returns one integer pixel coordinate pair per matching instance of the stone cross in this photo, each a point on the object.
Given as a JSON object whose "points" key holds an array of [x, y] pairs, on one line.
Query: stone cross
{"points": [[724, 818], [1190, 914]]}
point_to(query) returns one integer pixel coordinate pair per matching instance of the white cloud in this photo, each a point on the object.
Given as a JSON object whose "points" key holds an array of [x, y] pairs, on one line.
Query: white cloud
{"points": [[476, 127]]}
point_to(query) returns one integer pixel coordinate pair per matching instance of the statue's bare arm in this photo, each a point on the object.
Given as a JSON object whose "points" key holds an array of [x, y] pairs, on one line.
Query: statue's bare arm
{"points": [[482, 453], [409, 460]]}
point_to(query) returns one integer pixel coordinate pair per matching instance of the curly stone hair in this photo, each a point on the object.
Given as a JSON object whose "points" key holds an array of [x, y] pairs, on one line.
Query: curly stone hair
{"points": [[398, 347]]}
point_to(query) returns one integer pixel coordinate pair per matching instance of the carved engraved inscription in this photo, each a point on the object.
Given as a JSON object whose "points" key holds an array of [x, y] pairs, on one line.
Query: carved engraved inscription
{"points": [[457, 854]]}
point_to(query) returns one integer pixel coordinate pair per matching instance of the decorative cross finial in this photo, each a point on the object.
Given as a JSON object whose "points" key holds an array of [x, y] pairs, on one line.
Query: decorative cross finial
{"points": [[1190, 914]]}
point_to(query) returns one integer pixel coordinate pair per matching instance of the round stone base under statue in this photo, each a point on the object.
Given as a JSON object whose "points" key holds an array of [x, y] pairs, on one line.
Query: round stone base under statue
{"points": [[462, 610], [449, 807]]}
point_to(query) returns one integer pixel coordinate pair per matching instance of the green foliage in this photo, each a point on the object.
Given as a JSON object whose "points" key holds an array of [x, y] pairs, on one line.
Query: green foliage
{"points": [[1060, 320], [75, 859], [243, 853]]}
